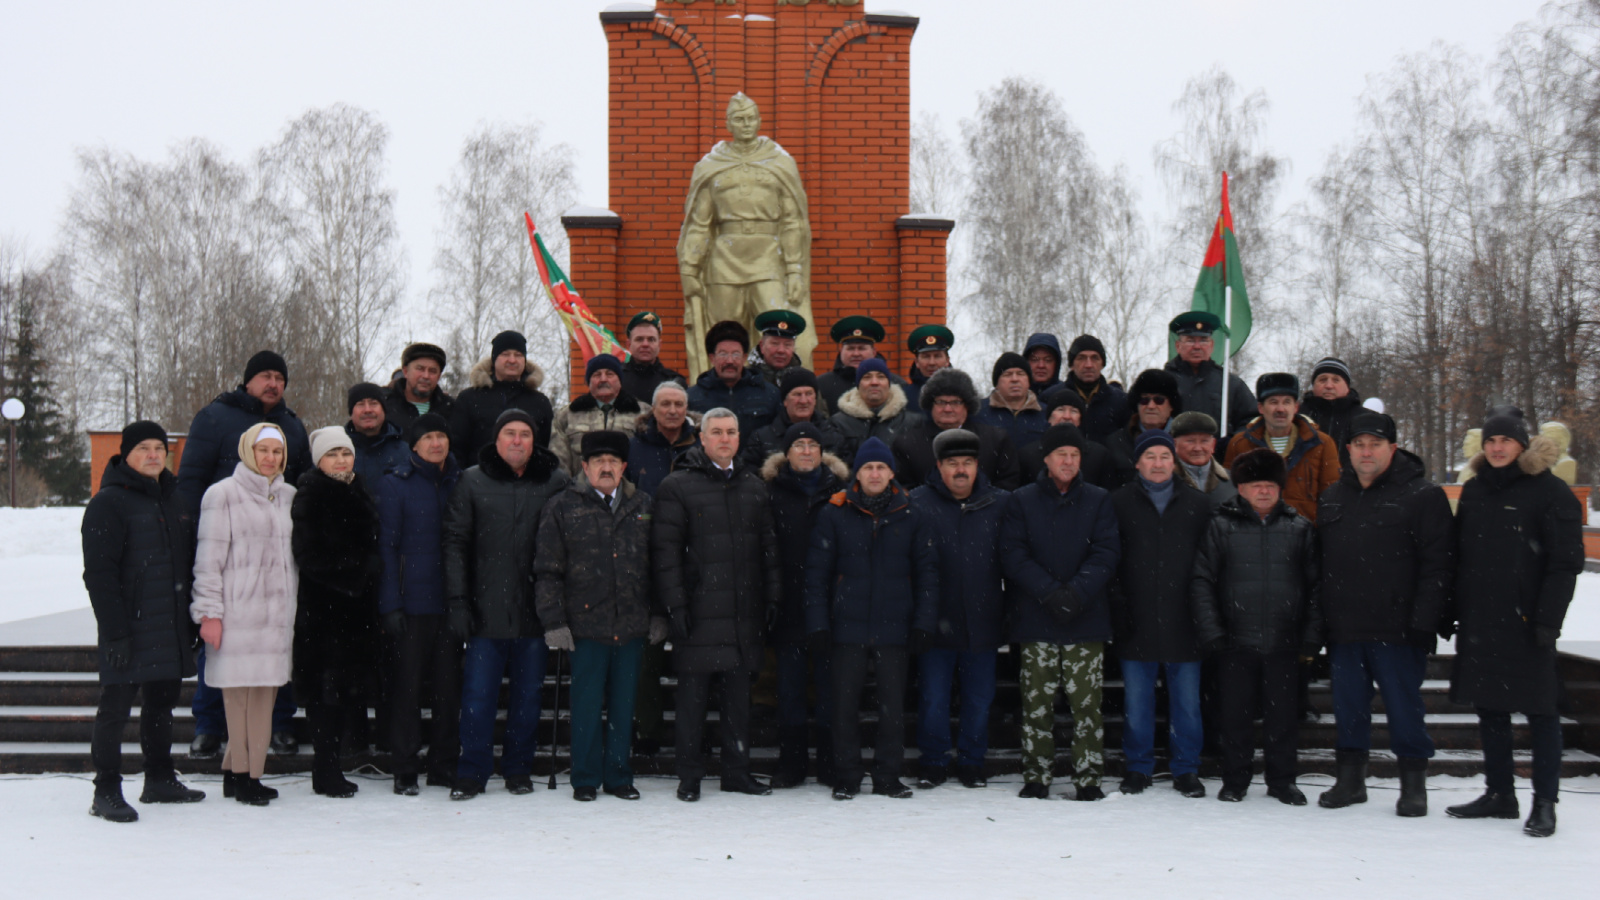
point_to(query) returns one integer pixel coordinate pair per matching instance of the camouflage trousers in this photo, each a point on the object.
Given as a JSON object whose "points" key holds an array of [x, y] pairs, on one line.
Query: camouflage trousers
{"points": [[1079, 670]]}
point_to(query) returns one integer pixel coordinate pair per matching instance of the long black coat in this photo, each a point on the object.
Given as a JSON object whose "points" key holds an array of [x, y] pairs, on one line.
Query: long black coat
{"points": [[1050, 540], [490, 529], [1257, 584], [1388, 554], [872, 577], [915, 465], [795, 507], [1520, 552], [715, 553], [411, 506], [475, 410], [592, 564], [972, 597], [335, 543], [1150, 593], [138, 560]]}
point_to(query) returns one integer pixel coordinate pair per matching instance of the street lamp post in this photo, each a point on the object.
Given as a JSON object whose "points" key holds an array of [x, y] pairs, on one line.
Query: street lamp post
{"points": [[12, 410]]}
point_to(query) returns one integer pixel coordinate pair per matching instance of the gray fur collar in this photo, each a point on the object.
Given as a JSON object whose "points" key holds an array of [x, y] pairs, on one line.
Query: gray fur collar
{"points": [[769, 469]]}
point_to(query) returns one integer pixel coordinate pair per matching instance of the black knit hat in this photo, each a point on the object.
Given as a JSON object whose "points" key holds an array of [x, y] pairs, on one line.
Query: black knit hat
{"points": [[1058, 436], [956, 442], [514, 415], [1506, 421], [1331, 364], [425, 424], [797, 377], [1274, 384], [873, 450], [1085, 342], [265, 361], [1261, 464], [1007, 361], [138, 432], [801, 431], [366, 390], [596, 443], [601, 361], [1375, 423], [419, 350], [1062, 395], [508, 340], [1156, 381], [949, 382], [727, 330]]}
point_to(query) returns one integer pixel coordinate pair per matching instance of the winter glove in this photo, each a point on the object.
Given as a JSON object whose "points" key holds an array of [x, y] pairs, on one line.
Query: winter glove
{"points": [[920, 641], [819, 642], [119, 654], [658, 630], [1544, 637], [1422, 640], [680, 624], [395, 622], [559, 638], [459, 621], [1447, 629], [211, 632], [1064, 604]]}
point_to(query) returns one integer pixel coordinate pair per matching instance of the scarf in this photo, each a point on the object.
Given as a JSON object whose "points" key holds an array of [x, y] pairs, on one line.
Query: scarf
{"points": [[1160, 494]]}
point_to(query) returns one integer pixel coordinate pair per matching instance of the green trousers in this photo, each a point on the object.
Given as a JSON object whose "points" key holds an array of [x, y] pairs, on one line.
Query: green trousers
{"points": [[1079, 670]]}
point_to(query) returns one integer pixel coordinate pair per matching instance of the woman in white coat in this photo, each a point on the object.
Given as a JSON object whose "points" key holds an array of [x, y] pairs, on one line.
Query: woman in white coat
{"points": [[244, 600]]}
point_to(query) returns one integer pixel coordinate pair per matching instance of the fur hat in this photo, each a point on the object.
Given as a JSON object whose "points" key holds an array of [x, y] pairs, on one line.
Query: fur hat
{"points": [[138, 432], [1261, 464], [366, 390], [1156, 381], [596, 443], [873, 450], [427, 424], [727, 330], [1274, 384], [956, 442], [331, 438], [949, 382], [414, 352]]}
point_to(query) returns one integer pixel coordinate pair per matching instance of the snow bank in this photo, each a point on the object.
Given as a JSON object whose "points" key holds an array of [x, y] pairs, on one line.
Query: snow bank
{"points": [[41, 562]]}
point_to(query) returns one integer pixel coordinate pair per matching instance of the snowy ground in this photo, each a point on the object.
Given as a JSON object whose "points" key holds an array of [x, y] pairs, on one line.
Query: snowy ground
{"points": [[949, 842]]}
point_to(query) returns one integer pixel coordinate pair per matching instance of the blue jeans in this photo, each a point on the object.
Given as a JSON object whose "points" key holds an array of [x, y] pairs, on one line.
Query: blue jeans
{"points": [[937, 669], [1184, 731], [1397, 669], [603, 676], [207, 705], [487, 661]]}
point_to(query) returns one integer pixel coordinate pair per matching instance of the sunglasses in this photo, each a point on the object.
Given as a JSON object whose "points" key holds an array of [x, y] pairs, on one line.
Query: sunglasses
{"points": [[1152, 400]]}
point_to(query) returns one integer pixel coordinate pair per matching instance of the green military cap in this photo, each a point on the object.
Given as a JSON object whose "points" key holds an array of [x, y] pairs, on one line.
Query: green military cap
{"points": [[857, 328], [781, 323], [644, 318], [1196, 322], [930, 337]]}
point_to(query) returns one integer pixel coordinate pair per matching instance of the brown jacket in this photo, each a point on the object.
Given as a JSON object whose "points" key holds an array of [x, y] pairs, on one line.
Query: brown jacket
{"points": [[1313, 462]]}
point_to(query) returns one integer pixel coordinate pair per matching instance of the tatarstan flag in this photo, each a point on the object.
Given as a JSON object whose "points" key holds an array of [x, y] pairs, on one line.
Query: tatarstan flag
{"points": [[591, 336], [1221, 269]]}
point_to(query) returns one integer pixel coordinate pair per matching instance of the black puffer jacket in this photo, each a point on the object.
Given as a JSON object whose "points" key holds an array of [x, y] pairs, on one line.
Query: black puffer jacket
{"points": [[211, 452], [490, 528], [1201, 391], [795, 506], [1257, 585], [138, 560], [1058, 552], [1520, 552], [972, 597], [335, 542], [641, 379], [475, 410], [592, 566], [1094, 463], [651, 457], [1108, 406], [915, 465], [715, 554], [1333, 418], [872, 577], [1150, 593], [1388, 555], [755, 447]]}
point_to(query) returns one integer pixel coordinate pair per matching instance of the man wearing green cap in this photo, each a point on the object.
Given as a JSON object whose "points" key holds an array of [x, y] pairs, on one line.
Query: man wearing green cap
{"points": [[857, 337], [1200, 378], [930, 350], [643, 372], [774, 354]]}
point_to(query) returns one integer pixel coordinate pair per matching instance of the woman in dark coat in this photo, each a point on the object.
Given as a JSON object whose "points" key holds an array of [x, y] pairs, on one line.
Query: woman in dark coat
{"points": [[335, 543], [1520, 550]]}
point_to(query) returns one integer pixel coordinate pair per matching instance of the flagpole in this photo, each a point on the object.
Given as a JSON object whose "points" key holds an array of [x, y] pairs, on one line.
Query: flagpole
{"points": [[1227, 347]]}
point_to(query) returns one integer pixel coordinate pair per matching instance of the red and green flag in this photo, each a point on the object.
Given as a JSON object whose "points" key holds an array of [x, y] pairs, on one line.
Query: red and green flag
{"points": [[1219, 271], [592, 337]]}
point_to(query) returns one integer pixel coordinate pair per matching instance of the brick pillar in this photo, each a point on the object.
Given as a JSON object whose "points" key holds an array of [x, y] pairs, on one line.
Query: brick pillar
{"points": [[922, 269], [592, 235]]}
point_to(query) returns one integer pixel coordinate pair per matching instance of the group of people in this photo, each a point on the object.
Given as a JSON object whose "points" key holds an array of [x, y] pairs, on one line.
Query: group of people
{"points": [[826, 526]]}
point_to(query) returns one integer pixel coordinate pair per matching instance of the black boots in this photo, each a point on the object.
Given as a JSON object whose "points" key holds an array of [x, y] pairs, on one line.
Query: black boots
{"points": [[1351, 786], [168, 789], [972, 776], [894, 787], [250, 791], [744, 784], [109, 805], [1287, 794], [1134, 783], [1188, 784], [1542, 821], [1492, 805], [205, 746], [1413, 788], [519, 785], [1033, 790]]}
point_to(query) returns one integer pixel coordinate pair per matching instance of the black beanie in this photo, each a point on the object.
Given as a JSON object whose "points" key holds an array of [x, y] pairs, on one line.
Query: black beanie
{"points": [[596, 443], [1008, 360], [1063, 395], [801, 430], [508, 340], [1058, 436], [265, 361], [138, 432], [425, 424], [1506, 421], [514, 415], [796, 377], [1085, 342], [366, 390]]}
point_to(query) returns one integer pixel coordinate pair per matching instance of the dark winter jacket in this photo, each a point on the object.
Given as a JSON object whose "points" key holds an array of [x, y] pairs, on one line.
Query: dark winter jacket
{"points": [[1388, 555], [913, 386], [1333, 418], [796, 503], [754, 448], [1150, 593], [640, 380], [473, 415], [1024, 425], [1108, 406], [400, 412], [1049, 342], [592, 564], [872, 578], [915, 465], [378, 456], [651, 457], [715, 555], [490, 528], [1201, 391], [1520, 550], [769, 372], [138, 560], [411, 508], [335, 542], [1119, 446], [211, 452], [1058, 552], [752, 399], [857, 421], [1313, 462], [1094, 464], [972, 607], [841, 379], [1216, 486], [1257, 585]]}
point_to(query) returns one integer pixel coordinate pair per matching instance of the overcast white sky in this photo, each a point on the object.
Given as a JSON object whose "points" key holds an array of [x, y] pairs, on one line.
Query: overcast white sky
{"points": [[142, 76]]}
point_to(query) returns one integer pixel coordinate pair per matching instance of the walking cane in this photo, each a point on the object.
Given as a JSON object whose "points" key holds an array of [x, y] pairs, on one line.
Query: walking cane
{"points": [[555, 723]]}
